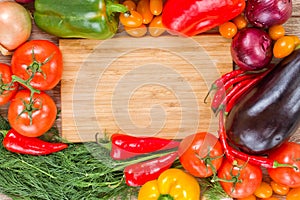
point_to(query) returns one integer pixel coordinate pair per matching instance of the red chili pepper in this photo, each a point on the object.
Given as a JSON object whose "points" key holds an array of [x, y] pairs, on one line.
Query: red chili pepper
{"points": [[126, 146], [17, 143], [191, 17], [139, 173], [232, 153], [220, 82]]}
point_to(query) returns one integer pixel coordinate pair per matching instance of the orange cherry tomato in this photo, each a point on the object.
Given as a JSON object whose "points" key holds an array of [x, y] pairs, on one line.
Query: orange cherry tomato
{"points": [[271, 198], [136, 31], [228, 29], [156, 27], [156, 7], [279, 188], [130, 4], [264, 190], [293, 194], [143, 7], [240, 21], [251, 197], [276, 32], [283, 47], [132, 19], [296, 39]]}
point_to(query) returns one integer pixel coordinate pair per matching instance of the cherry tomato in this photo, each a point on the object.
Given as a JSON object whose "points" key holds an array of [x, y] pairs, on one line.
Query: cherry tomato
{"points": [[34, 116], [296, 39], [7, 88], [228, 30], [283, 47], [130, 5], [41, 60], [288, 153], [271, 198], [264, 190], [201, 154], [143, 7], [279, 188], [293, 194], [240, 21], [276, 32], [251, 197], [246, 177], [156, 27], [136, 32], [156, 7], [132, 19]]}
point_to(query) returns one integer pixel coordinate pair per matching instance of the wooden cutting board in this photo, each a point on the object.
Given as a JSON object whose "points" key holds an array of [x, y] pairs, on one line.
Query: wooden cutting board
{"points": [[140, 86]]}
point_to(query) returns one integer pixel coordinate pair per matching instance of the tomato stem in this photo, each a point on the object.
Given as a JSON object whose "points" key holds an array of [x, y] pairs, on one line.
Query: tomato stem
{"points": [[25, 83]]}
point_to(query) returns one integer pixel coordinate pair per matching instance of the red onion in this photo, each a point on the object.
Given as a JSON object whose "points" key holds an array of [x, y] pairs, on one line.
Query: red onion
{"points": [[266, 13], [251, 49]]}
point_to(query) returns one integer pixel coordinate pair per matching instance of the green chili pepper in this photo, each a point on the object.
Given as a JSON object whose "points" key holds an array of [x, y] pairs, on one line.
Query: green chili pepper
{"points": [[92, 19]]}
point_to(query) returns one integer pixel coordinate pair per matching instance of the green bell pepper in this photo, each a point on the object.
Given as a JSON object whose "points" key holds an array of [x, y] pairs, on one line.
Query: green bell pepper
{"points": [[91, 19]]}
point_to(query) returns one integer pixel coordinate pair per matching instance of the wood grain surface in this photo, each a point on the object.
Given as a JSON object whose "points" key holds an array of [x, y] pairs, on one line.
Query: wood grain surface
{"points": [[140, 86], [292, 28]]}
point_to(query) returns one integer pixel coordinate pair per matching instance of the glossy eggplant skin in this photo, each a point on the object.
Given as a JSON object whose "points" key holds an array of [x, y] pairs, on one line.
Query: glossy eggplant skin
{"points": [[267, 115]]}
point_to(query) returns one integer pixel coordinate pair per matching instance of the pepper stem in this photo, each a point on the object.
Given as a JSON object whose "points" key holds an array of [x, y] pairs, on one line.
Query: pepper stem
{"points": [[165, 197], [112, 7]]}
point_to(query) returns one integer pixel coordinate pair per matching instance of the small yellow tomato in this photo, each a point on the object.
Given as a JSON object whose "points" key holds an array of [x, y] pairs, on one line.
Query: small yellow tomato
{"points": [[228, 30], [240, 21], [143, 7], [293, 194], [279, 188], [136, 31], [283, 47], [129, 4], [276, 32], [156, 27], [264, 190], [251, 197], [132, 19]]}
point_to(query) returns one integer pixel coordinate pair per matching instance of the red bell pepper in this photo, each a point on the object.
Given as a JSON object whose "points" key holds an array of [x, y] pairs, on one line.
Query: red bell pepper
{"points": [[192, 17]]}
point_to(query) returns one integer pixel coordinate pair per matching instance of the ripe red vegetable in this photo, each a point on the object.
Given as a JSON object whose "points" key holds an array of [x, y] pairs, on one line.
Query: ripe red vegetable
{"points": [[139, 173], [126, 146], [191, 17], [266, 13], [251, 49], [17, 143]]}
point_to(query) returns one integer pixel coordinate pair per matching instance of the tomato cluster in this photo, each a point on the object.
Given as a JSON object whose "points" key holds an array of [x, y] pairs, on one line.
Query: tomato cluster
{"points": [[143, 16], [202, 155], [36, 67]]}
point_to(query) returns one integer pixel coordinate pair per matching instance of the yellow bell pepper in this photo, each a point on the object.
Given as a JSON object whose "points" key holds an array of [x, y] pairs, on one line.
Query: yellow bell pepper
{"points": [[172, 184]]}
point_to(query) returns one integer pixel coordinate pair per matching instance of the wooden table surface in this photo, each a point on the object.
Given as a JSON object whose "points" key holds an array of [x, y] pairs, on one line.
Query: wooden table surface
{"points": [[292, 27]]}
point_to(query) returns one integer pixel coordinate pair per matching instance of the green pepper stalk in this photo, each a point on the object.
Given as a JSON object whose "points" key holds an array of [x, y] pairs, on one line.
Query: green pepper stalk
{"points": [[91, 19]]}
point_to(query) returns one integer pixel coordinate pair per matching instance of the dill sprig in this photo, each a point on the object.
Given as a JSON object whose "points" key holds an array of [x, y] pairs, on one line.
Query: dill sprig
{"points": [[82, 171]]}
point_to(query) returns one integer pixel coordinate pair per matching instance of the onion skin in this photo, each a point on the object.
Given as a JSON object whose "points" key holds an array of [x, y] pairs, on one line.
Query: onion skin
{"points": [[266, 13], [15, 25], [251, 49]]}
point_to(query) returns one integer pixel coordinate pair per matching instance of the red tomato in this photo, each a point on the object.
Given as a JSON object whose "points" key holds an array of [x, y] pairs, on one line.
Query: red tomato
{"points": [[34, 116], [199, 153], [7, 90], [246, 178], [288, 153], [41, 60]]}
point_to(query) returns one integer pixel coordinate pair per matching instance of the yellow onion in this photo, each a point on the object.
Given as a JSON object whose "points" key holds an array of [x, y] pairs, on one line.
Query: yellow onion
{"points": [[15, 26]]}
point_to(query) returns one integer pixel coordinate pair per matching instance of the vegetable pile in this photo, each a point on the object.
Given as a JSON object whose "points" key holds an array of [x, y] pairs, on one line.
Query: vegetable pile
{"points": [[257, 104]]}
